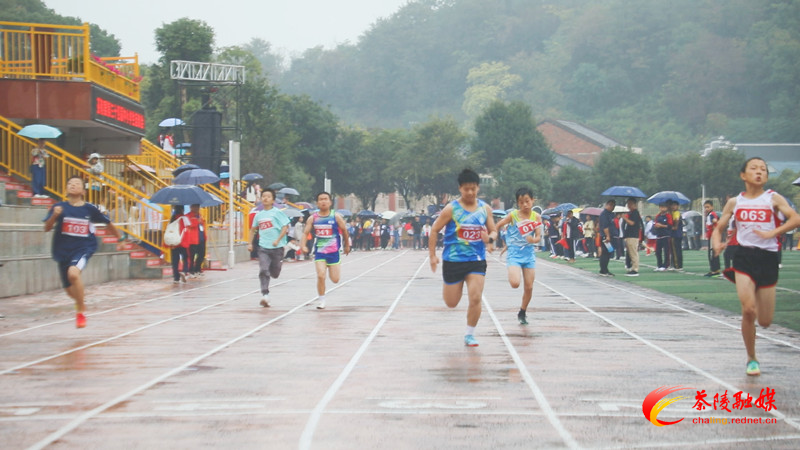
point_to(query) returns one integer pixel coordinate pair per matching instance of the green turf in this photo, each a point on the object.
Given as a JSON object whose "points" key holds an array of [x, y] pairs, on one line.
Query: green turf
{"points": [[691, 285]]}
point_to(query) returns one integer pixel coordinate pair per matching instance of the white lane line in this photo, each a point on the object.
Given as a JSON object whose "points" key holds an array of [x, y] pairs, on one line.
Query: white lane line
{"points": [[526, 375], [672, 305], [128, 333], [777, 414], [82, 418], [313, 421], [119, 307]]}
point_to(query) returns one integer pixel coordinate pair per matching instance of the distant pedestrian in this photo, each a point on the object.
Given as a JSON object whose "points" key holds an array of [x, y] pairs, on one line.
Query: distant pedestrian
{"points": [[38, 173], [755, 265], [271, 226], [523, 234], [711, 222], [632, 236], [677, 236], [197, 241], [416, 228], [663, 230], [468, 227], [330, 231], [606, 233], [179, 253], [74, 241]]}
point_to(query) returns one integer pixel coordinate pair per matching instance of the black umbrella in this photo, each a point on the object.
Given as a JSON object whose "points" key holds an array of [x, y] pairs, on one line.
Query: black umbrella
{"points": [[277, 186], [252, 177], [184, 168]]}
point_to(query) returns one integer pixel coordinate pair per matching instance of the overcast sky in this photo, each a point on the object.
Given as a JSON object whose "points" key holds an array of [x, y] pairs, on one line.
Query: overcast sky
{"points": [[291, 26]]}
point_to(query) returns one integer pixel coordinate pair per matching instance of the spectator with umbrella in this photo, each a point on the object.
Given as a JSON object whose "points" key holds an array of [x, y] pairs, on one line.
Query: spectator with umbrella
{"points": [[39, 154], [632, 235], [606, 232]]}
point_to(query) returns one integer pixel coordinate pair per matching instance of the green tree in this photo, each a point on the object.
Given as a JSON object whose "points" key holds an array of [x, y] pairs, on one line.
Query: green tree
{"points": [[439, 145], [621, 167], [515, 173], [365, 175], [683, 173], [721, 173], [505, 131], [573, 185], [488, 83], [318, 149]]}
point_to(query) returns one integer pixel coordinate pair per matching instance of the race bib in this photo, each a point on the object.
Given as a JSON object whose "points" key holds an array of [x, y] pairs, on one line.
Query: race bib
{"points": [[759, 215], [527, 227], [470, 233], [72, 226], [265, 225], [323, 231]]}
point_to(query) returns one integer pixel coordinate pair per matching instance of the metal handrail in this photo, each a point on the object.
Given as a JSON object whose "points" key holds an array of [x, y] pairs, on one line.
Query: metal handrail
{"points": [[62, 52]]}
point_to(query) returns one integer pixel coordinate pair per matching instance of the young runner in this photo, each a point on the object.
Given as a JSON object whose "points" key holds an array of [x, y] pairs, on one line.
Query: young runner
{"points": [[755, 264], [468, 228], [328, 226], [272, 226], [74, 241], [524, 232]]}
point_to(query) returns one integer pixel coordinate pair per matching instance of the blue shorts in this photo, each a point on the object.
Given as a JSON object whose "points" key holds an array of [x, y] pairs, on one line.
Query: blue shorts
{"points": [[329, 258], [524, 257], [77, 259]]}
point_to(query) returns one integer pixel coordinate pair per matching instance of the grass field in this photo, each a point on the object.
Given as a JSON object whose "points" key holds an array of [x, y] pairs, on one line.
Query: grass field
{"points": [[692, 285]]}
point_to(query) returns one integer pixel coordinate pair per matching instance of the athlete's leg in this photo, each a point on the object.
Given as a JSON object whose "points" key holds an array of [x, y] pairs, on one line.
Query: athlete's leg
{"points": [[514, 276], [451, 293], [746, 289], [322, 267], [765, 305], [474, 293], [335, 272], [75, 289], [528, 276]]}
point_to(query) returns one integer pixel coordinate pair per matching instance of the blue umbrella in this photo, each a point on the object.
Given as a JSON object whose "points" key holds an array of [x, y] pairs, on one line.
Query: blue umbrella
{"points": [[292, 212], [288, 190], [39, 131], [196, 176], [213, 201], [171, 122], [344, 212], [564, 207], [663, 196], [624, 191], [183, 194], [252, 177], [499, 212], [183, 168], [366, 213]]}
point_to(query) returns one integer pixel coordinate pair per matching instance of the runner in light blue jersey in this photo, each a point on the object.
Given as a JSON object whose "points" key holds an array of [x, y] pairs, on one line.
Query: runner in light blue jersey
{"points": [[524, 232]]}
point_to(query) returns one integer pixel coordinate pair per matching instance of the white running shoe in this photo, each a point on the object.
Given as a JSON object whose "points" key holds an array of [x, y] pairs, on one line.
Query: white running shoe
{"points": [[265, 301], [321, 304]]}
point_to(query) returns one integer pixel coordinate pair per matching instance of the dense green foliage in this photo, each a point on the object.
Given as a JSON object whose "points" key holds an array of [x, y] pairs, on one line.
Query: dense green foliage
{"points": [[663, 76]]}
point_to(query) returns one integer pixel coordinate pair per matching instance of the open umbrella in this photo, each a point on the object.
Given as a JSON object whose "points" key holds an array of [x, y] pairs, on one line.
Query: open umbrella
{"points": [[366, 213], [39, 131], [253, 177], [592, 211], [663, 196], [304, 205], [183, 168], [171, 122], [344, 212], [796, 182], [277, 185], [691, 213], [196, 176], [562, 208], [499, 212], [183, 194], [388, 215], [624, 191], [288, 190], [292, 212], [213, 201]]}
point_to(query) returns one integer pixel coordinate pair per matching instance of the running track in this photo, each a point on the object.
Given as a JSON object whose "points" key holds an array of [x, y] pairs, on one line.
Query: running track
{"points": [[384, 366]]}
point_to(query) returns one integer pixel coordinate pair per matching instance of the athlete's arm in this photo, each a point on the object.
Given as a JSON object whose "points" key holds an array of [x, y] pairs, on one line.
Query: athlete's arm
{"points": [[792, 221], [306, 230], [438, 224], [49, 223], [722, 226], [537, 237], [503, 222], [491, 228], [345, 234]]}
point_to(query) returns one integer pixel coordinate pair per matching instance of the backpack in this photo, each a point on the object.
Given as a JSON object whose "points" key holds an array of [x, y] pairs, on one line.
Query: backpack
{"points": [[172, 234]]}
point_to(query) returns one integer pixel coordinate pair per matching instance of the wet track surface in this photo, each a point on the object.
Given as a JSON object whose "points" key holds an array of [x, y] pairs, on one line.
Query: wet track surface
{"points": [[201, 365]]}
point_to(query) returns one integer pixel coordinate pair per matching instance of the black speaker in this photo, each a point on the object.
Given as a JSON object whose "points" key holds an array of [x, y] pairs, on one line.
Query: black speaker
{"points": [[207, 139]]}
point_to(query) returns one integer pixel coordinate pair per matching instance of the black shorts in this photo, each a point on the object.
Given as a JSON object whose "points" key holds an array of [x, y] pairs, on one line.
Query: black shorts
{"points": [[758, 264], [456, 272], [77, 259]]}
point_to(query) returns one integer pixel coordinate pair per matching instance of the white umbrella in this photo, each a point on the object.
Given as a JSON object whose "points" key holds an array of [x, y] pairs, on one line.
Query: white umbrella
{"points": [[388, 215]]}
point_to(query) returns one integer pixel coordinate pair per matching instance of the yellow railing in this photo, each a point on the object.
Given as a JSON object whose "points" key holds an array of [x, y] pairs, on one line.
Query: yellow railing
{"points": [[127, 206], [62, 52], [164, 163]]}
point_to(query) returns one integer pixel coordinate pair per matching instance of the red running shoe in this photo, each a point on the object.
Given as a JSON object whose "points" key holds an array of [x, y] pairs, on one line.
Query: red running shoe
{"points": [[80, 320]]}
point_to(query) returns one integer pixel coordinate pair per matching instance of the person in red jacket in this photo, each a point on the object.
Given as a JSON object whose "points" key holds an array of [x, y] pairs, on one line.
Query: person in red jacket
{"points": [[197, 241], [181, 251]]}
